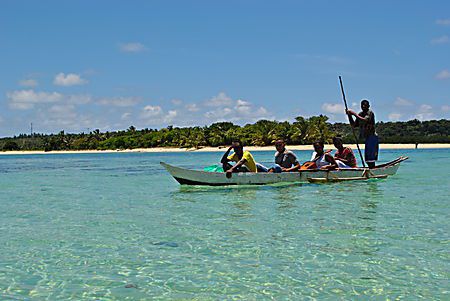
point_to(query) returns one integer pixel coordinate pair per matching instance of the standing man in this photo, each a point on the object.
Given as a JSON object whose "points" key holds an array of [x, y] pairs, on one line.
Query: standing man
{"points": [[365, 120]]}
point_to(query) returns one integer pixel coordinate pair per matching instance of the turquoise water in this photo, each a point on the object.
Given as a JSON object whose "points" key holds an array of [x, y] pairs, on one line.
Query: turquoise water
{"points": [[118, 227]]}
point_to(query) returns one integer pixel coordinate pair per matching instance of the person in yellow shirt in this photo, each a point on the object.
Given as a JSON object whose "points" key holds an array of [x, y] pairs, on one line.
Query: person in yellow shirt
{"points": [[244, 159]]}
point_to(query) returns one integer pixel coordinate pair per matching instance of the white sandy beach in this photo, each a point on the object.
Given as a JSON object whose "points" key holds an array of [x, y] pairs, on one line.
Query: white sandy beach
{"points": [[223, 148]]}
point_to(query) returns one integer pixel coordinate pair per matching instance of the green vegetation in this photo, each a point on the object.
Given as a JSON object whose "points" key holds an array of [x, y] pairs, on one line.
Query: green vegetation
{"points": [[261, 133]]}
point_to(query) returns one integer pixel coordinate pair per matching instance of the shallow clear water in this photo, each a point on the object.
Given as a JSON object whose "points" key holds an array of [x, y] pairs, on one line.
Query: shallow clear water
{"points": [[118, 227]]}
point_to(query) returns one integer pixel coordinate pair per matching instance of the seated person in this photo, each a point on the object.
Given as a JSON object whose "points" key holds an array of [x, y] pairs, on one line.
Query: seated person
{"points": [[285, 160], [244, 159], [323, 160], [344, 155]]}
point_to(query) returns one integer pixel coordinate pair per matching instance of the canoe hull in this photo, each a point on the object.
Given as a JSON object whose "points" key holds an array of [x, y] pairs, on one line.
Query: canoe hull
{"points": [[197, 177]]}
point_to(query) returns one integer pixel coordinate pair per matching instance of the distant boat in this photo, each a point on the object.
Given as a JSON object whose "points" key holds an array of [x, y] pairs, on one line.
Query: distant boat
{"points": [[186, 176]]}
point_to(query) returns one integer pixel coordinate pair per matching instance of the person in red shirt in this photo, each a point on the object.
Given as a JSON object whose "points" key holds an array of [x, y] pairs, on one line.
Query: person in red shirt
{"points": [[344, 155]]}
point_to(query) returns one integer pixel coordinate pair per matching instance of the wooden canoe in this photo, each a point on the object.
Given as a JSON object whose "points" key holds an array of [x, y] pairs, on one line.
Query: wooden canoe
{"points": [[186, 176]]}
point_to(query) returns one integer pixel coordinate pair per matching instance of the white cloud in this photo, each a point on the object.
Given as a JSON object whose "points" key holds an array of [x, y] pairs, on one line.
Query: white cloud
{"points": [[26, 99], [176, 102], [243, 107], [241, 111], [66, 111], [395, 116], [445, 108], [333, 108], [125, 116], [402, 102], [444, 74], [155, 115], [170, 116], [79, 99], [71, 79], [192, 107], [444, 22], [425, 108], [28, 83], [132, 47], [425, 112], [440, 40], [151, 111], [220, 100], [119, 101], [64, 117]]}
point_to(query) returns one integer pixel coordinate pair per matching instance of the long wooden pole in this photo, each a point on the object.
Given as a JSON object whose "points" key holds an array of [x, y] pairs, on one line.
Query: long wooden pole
{"points": [[353, 130]]}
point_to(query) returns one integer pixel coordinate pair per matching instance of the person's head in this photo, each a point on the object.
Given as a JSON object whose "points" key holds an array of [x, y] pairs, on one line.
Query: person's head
{"points": [[318, 147], [365, 105], [237, 146], [337, 141], [280, 145]]}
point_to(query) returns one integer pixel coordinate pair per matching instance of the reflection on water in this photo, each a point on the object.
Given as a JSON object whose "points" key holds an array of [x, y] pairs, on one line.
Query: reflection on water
{"points": [[118, 227]]}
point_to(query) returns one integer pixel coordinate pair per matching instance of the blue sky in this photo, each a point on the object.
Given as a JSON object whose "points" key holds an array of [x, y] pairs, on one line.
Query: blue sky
{"points": [[82, 65]]}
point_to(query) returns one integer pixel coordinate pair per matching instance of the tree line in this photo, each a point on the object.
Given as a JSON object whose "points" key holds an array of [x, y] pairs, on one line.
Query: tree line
{"points": [[262, 133]]}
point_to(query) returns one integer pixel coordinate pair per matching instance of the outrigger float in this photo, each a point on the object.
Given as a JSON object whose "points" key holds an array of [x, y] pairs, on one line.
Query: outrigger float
{"points": [[198, 177]]}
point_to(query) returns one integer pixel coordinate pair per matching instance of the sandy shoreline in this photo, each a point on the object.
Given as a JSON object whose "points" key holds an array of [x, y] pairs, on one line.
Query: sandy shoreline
{"points": [[221, 149]]}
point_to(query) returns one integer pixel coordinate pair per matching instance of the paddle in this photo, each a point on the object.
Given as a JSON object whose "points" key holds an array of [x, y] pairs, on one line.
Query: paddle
{"points": [[353, 130]]}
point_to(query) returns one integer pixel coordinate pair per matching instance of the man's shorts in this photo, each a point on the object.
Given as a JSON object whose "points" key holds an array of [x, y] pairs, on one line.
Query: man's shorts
{"points": [[371, 149]]}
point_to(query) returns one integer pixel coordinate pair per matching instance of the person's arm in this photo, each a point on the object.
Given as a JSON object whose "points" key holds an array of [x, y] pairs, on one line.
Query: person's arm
{"points": [[296, 164], [357, 116], [344, 159], [331, 160], [225, 156], [236, 166], [293, 168], [350, 118]]}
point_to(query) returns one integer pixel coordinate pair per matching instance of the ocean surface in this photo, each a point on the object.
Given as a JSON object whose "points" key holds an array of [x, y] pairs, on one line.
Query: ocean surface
{"points": [[118, 227]]}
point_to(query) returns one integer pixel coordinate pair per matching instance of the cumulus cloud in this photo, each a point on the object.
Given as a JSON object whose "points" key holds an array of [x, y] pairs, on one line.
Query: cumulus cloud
{"points": [[176, 102], [119, 101], [125, 116], [26, 99], [28, 83], [154, 115], [65, 117], [132, 47], [440, 40], [444, 22], [425, 112], [218, 108], [71, 79], [192, 107], [62, 115], [399, 101], [170, 116], [333, 108], [78, 99], [444, 74], [151, 111], [220, 100], [394, 116], [63, 112], [239, 110], [405, 109]]}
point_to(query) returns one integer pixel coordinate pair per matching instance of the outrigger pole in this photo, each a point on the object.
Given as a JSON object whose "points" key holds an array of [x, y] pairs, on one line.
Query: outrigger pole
{"points": [[353, 130]]}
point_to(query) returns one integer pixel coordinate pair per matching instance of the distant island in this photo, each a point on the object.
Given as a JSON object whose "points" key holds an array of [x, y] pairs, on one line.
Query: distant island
{"points": [[262, 133]]}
